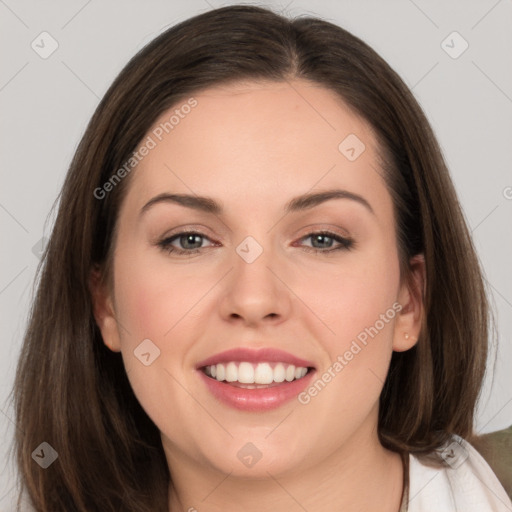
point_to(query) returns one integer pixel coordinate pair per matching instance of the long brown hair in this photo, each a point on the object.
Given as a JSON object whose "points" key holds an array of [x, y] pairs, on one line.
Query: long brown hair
{"points": [[72, 392]]}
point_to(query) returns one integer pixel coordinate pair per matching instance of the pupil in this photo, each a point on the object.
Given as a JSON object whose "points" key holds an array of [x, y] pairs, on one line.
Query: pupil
{"points": [[190, 238], [323, 238]]}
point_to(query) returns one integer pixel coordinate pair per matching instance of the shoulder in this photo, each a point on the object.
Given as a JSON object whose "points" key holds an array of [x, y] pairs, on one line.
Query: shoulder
{"points": [[465, 482]]}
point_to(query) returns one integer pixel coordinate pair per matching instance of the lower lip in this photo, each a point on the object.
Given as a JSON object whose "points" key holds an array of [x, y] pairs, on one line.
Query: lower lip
{"points": [[258, 399]]}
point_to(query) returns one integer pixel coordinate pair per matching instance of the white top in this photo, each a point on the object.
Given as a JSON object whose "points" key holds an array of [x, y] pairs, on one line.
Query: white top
{"points": [[466, 484]]}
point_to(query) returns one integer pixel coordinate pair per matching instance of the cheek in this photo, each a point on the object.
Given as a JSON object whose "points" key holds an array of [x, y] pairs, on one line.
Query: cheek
{"points": [[358, 303], [149, 304], [141, 303], [149, 297], [355, 293]]}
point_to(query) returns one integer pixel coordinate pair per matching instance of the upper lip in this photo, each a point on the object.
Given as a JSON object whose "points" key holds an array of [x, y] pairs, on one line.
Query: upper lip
{"points": [[271, 355]]}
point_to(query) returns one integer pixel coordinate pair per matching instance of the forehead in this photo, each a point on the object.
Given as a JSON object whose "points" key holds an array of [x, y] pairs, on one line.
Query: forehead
{"points": [[265, 141]]}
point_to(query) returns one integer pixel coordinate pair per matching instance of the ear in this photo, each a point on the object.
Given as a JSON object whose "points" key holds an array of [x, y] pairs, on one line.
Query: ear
{"points": [[411, 298], [103, 310]]}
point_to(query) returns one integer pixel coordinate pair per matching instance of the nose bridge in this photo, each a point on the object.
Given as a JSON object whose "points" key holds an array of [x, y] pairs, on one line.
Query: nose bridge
{"points": [[253, 291], [250, 250], [252, 262]]}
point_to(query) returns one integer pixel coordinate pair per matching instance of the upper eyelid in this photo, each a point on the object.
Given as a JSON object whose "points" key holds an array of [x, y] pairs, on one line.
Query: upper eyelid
{"points": [[191, 230], [186, 231]]}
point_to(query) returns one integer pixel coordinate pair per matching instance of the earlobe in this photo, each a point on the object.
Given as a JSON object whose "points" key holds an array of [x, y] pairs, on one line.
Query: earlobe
{"points": [[411, 298], [103, 311]]}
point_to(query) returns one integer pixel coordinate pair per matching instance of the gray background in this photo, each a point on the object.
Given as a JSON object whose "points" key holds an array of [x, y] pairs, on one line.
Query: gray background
{"points": [[46, 104]]}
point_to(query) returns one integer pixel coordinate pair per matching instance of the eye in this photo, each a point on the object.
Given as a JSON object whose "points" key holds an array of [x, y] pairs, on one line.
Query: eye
{"points": [[325, 240], [190, 241]]}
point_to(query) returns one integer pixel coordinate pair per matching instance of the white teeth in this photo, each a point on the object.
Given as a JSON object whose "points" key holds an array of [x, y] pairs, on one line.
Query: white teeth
{"points": [[263, 374], [279, 373], [290, 373], [245, 373], [260, 373], [221, 372], [231, 372]]}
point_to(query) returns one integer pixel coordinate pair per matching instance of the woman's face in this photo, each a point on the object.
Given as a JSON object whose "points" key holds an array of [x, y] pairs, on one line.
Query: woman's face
{"points": [[247, 277]]}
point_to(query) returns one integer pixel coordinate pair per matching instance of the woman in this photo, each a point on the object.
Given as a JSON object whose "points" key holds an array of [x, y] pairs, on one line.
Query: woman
{"points": [[321, 343]]}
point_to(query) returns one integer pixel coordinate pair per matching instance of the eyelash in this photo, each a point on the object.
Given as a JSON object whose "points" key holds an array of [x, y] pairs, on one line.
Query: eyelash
{"points": [[345, 243]]}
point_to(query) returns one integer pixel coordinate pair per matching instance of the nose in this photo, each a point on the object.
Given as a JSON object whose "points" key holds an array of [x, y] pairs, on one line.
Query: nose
{"points": [[255, 291]]}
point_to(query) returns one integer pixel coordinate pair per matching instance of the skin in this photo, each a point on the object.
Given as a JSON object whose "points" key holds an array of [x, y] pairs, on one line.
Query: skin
{"points": [[252, 147]]}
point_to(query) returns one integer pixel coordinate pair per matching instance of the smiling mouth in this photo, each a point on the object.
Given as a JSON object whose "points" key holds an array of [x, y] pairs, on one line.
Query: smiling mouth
{"points": [[255, 375]]}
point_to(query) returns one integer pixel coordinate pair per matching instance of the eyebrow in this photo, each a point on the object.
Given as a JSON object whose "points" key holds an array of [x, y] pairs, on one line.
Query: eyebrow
{"points": [[300, 203]]}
